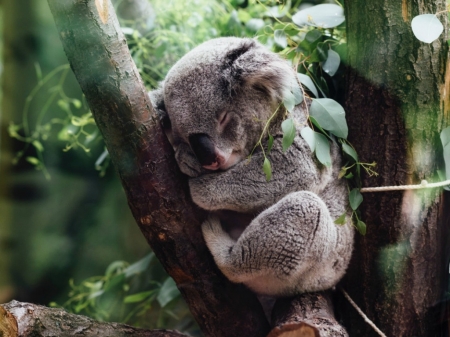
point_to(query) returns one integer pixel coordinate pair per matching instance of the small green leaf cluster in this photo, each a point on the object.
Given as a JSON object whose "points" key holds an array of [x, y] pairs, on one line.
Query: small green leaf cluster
{"points": [[312, 39], [140, 294], [73, 124]]}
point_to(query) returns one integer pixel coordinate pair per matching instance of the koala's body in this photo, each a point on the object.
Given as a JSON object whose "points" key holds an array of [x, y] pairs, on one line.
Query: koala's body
{"points": [[218, 98]]}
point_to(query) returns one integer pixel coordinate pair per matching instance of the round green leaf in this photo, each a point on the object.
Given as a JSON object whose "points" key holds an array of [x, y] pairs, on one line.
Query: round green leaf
{"points": [[332, 63], [426, 27], [324, 16], [330, 115], [289, 132]]}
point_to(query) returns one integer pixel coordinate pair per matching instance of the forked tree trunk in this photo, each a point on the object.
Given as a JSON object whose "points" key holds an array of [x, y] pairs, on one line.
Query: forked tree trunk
{"points": [[397, 103], [157, 193]]}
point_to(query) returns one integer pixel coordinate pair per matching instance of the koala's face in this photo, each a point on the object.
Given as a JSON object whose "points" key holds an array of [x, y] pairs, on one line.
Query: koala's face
{"points": [[218, 98]]}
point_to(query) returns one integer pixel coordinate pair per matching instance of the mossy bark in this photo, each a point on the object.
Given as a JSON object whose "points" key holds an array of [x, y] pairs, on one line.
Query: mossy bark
{"points": [[397, 103]]}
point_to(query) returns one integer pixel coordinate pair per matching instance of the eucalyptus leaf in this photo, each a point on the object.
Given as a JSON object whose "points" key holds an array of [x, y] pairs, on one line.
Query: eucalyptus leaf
{"points": [[270, 143], [355, 198], [324, 16], [32, 160], [322, 52], [168, 292], [277, 11], [308, 83], [361, 227], [289, 101], [313, 36], [350, 151], [445, 139], [297, 92], [289, 132], [331, 65], [309, 136], [255, 24], [426, 27], [341, 220], [330, 115], [114, 282], [280, 38], [267, 168], [139, 266], [138, 297], [38, 145], [317, 125], [323, 149]]}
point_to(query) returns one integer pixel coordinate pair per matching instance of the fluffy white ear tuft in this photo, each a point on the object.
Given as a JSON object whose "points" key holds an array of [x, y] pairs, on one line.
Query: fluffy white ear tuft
{"points": [[251, 64]]}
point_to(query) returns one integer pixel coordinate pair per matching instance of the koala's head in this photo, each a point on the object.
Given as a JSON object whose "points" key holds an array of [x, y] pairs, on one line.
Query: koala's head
{"points": [[217, 99]]}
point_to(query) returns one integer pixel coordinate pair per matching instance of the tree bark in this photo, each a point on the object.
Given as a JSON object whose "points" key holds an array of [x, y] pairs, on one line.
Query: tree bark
{"points": [[157, 192], [397, 98], [36, 320]]}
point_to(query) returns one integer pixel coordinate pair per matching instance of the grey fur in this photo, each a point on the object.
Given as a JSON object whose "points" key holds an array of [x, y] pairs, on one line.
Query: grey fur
{"points": [[292, 246]]}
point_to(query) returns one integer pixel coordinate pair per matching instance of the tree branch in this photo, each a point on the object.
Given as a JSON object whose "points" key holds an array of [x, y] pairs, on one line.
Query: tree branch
{"points": [[28, 320]]}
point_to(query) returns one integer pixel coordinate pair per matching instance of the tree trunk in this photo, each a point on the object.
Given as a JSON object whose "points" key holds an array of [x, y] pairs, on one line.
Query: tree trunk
{"points": [[397, 103], [157, 192]]}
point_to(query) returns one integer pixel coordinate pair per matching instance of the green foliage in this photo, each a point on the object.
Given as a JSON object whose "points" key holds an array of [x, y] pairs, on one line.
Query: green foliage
{"points": [[140, 294], [72, 125]]}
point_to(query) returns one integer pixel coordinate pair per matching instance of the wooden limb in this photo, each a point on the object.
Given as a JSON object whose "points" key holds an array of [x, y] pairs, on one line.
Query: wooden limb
{"points": [[27, 320], [157, 192], [306, 315]]}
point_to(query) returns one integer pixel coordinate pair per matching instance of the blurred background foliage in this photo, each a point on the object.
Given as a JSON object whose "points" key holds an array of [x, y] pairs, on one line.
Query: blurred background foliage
{"points": [[65, 227]]}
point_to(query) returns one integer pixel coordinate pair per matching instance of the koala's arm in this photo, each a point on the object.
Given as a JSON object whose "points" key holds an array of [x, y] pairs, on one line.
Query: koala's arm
{"points": [[243, 188]]}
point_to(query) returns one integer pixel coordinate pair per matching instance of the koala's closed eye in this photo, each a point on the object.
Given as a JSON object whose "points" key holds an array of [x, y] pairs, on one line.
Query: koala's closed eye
{"points": [[224, 118]]}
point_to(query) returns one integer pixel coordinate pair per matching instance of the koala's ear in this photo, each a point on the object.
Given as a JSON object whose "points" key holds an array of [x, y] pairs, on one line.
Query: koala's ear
{"points": [[251, 64], [157, 99]]}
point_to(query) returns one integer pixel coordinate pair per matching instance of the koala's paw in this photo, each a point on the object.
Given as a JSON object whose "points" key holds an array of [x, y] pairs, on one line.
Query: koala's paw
{"points": [[215, 237], [187, 162], [211, 227], [203, 192]]}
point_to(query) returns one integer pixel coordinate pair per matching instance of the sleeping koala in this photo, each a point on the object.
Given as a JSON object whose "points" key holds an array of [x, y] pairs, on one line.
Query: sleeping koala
{"points": [[214, 104]]}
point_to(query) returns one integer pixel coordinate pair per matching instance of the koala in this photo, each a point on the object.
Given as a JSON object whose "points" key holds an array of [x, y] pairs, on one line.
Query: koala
{"points": [[214, 104]]}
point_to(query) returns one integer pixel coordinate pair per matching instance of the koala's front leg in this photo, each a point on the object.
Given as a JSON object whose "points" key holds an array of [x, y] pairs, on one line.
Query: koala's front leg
{"points": [[292, 247], [243, 187]]}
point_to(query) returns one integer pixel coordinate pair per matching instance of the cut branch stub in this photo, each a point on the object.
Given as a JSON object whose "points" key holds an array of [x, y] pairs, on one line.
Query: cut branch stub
{"points": [[306, 315], [157, 192]]}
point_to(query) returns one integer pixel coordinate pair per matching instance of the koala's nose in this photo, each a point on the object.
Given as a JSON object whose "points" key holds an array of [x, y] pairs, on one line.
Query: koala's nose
{"points": [[203, 148]]}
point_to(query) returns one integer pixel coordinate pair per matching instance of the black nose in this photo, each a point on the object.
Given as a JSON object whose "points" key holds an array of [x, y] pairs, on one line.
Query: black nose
{"points": [[203, 148]]}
